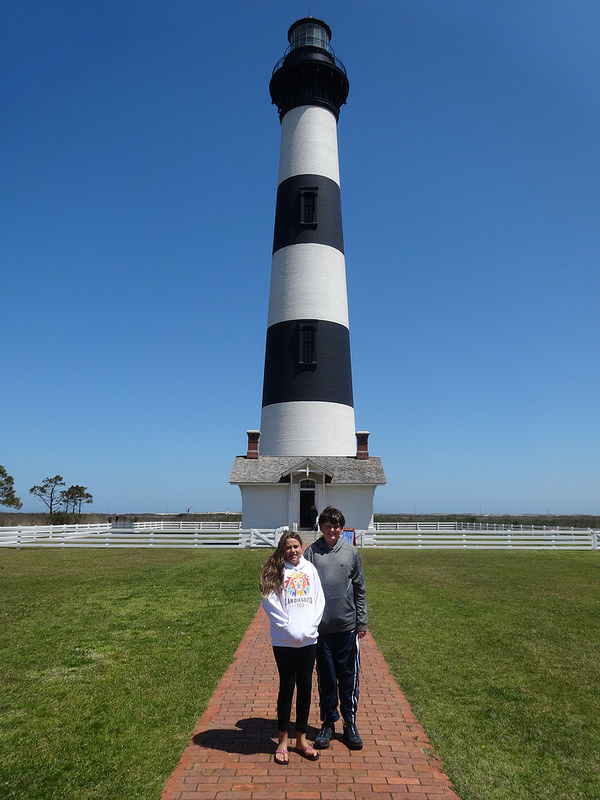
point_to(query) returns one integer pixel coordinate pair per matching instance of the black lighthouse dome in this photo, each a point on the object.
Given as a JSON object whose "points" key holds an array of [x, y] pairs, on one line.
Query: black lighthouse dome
{"points": [[309, 72]]}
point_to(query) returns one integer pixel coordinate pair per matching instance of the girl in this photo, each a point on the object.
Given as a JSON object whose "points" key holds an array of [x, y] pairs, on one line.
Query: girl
{"points": [[293, 600]]}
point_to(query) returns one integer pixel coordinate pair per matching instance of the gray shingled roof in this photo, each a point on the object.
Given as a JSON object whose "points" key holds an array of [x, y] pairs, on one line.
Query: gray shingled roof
{"points": [[343, 470]]}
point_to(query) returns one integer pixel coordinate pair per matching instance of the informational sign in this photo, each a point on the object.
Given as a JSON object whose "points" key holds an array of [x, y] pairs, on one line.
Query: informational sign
{"points": [[349, 535]]}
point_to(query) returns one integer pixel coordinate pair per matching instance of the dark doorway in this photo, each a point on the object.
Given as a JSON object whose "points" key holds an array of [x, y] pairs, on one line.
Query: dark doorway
{"points": [[307, 504]]}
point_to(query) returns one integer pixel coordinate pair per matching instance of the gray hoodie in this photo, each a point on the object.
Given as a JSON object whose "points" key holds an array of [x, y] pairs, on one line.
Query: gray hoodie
{"points": [[341, 573]]}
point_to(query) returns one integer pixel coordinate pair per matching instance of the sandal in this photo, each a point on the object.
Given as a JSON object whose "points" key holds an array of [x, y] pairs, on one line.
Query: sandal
{"points": [[284, 761], [308, 752]]}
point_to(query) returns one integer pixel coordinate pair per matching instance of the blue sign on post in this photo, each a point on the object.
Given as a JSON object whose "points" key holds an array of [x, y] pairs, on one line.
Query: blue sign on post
{"points": [[349, 535]]}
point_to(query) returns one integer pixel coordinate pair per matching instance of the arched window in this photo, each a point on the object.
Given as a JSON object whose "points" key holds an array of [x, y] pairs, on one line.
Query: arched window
{"points": [[308, 206], [307, 350]]}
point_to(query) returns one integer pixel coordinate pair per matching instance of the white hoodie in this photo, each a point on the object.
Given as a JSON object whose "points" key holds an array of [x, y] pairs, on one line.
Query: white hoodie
{"points": [[295, 612]]}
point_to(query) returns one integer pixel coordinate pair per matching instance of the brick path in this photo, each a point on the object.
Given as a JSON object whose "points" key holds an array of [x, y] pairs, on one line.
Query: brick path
{"points": [[230, 756]]}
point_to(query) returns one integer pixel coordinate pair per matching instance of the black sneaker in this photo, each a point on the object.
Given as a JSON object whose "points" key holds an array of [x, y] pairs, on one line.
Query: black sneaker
{"points": [[350, 737], [324, 736]]}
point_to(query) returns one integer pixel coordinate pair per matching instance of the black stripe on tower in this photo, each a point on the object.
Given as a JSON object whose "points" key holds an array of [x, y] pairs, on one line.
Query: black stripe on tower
{"points": [[307, 360], [291, 225]]}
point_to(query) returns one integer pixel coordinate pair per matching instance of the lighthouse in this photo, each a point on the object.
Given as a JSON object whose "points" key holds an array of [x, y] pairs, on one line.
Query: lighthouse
{"points": [[307, 401], [307, 453]]}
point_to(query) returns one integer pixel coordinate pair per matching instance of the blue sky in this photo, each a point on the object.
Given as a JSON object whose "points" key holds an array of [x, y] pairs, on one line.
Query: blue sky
{"points": [[138, 171]]}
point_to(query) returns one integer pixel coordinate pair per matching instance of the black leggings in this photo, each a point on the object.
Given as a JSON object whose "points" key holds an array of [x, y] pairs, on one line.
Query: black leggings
{"points": [[295, 666]]}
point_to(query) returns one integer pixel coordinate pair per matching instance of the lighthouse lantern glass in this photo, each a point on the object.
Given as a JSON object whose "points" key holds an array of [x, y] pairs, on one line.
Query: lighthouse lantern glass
{"points": [[309, 34]]}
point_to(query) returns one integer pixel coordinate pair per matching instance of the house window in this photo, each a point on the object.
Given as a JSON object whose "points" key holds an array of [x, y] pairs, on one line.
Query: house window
{"points": [[308, 206], [308, 344]]}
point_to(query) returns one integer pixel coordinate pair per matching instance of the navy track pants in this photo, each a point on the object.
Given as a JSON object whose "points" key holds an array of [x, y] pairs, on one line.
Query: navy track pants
{"points": [[338, 671]]}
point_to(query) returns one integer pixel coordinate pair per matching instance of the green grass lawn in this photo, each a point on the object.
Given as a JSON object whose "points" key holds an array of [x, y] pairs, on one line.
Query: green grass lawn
{"points": [[107, 660], [498, 654], [109, 657]]}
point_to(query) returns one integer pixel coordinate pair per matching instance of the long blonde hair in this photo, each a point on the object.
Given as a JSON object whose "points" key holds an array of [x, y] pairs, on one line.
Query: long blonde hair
{"points": [[271, 573]]}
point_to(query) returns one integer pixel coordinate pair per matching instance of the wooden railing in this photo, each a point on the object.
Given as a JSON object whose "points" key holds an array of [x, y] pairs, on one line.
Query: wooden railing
{"points": [[231, 535], [425, 525], [499, 540]]}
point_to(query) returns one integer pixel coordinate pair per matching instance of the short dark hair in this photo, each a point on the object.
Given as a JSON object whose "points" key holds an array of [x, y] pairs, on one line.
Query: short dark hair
{"points": [[332, 515]]}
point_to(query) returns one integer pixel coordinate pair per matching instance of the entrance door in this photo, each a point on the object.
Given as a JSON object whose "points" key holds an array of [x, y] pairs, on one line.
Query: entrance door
{"points": [[307, 505]]}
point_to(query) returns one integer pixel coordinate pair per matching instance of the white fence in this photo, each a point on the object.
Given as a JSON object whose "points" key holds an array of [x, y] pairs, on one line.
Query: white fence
{"points": [[136, 534], [501, 540], [424, 525], [442, 535], [426, 535], [166, 525]]}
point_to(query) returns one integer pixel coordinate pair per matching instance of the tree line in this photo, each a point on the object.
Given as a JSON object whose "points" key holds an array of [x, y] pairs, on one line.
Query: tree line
{"points": [[67, 500]]}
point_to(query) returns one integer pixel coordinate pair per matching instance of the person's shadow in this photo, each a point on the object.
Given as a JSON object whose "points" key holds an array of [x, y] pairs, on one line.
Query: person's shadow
{"points": [[250, 736]]}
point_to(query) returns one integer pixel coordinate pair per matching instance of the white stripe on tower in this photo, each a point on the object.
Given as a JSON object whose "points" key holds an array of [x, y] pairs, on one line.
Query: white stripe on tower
{"points": [[307, 391], [309, 144], [308, 281]]}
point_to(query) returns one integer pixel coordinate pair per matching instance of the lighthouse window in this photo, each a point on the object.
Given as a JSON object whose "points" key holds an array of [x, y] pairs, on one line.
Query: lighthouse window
{"points": [[308, 206], [308, 337], [309, 34]]}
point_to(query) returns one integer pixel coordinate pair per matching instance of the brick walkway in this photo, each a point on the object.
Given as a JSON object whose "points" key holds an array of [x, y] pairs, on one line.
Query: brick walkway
{"points": [[230, 756]]}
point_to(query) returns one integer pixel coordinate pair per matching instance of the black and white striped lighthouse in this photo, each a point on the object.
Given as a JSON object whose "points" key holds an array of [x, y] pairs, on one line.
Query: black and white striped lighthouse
{"points": [[307, 404], [307, 454]]}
